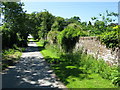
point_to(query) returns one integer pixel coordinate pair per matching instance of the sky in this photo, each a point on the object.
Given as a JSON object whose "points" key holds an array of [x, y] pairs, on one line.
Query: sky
{"points": [[84, 10], [69, 8], [69, 0]]}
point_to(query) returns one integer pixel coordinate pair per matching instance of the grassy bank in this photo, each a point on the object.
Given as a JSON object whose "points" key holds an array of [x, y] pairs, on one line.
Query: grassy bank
{"points": [[78, 70], [11, 56]]}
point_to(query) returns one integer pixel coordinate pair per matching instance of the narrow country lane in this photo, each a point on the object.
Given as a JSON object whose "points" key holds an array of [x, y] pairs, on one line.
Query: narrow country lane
{"points": [[32, 71]]}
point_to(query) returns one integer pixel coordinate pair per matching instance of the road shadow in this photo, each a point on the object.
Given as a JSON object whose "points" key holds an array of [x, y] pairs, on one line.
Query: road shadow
{"points": [[33, 41], [34, 48], [64, 68], [30, 74]]}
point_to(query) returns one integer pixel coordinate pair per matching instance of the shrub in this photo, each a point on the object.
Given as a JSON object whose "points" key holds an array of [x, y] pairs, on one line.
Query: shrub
{"points": [[10, 56], [52, 36], [110, 39], [69, 36], [116, 80]]}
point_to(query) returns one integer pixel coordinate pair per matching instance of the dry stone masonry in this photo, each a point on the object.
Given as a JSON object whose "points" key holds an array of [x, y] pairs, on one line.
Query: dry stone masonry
{"points": [[91, 45]]}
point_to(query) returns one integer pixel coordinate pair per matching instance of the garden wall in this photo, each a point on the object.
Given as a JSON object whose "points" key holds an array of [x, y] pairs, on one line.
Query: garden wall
{"points": [[91, 45]]}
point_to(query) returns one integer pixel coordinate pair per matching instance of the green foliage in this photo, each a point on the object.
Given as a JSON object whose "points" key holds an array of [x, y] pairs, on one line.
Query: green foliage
{"points": [[61, 33], [42, 23], [69, 36], [100, 25], [110, 39], [41, 33], [81, 66], [106, 17], [93, 18], [71, 67], [58, 24], [52, 36], [104, 23], [116, 80], [55, 26], [6, 35], [74, 19], [14, 30], [10, 56], [47, 21], [34, 24], [64, 34]]}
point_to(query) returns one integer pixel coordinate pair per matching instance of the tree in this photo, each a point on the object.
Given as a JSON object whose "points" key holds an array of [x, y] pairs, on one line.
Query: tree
{"points": [[107, 17], [89, 23], [44, 21], [14, 20], [74, 19], [58, 24], [34, 24], [55, 26]]}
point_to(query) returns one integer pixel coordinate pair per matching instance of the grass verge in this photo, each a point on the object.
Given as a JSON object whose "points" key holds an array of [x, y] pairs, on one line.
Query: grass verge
{"points": [[78, 70], [10, 57]]}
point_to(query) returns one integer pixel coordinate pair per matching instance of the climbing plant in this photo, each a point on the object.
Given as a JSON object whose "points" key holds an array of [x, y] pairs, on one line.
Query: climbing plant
{"points": [[69, 36], [52, 36], [111, 39]]}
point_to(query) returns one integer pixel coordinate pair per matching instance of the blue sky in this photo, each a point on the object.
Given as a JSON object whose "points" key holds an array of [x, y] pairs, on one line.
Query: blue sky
{"points": [[85, 10]]}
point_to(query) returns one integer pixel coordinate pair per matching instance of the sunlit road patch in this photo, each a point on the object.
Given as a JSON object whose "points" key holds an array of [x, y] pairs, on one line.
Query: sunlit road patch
{"points": [[31, 71]]}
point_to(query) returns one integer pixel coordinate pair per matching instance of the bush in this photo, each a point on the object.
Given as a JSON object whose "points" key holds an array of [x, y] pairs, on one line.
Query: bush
{"points": [[110, 39], [116, 80], [88, 64], [69, 36], [52, 37], [10, 56]]}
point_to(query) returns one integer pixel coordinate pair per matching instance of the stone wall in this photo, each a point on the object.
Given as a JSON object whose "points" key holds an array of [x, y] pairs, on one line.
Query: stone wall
{"points": [[93, 46]]}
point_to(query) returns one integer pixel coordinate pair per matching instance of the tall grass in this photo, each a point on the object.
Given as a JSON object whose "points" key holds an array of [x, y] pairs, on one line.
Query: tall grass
{"points": [[10, 56]]}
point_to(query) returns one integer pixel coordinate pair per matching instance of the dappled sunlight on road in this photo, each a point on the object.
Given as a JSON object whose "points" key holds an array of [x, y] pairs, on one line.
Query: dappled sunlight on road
{"points": [[32, 71]]}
